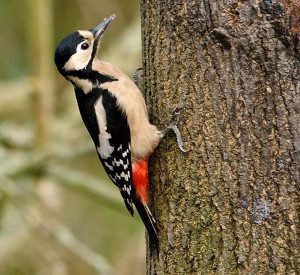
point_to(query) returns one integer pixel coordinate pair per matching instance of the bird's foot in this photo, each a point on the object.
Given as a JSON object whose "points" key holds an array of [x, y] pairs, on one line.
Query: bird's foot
{"points": [[173, 127]]}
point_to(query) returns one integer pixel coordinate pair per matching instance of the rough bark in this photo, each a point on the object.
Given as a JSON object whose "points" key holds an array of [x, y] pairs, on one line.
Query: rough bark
{"points": [[230, 205]]}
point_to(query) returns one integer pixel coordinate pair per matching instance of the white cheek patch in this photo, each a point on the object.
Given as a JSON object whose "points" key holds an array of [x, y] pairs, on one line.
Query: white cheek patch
{"points": [[105, 149], [80, 59]]}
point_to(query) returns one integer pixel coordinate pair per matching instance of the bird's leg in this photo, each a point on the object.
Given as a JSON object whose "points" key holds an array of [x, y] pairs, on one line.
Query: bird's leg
{"points": [[173, 127], [138, 78]]}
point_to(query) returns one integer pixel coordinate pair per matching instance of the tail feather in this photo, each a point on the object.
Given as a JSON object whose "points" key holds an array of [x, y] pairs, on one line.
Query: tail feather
{"points": [[148, 220]]}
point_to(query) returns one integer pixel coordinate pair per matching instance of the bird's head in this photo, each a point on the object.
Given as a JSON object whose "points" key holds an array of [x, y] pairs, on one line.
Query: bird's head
{"points": [[76, 52]]}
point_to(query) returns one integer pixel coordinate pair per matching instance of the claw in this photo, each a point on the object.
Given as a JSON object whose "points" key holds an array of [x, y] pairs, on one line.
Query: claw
{"points": [[178, 110], [176, 115], [173, 127]]}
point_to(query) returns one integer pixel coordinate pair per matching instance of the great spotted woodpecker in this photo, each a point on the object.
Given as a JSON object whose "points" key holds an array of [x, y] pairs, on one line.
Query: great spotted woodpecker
{"points": [[114, 113]]}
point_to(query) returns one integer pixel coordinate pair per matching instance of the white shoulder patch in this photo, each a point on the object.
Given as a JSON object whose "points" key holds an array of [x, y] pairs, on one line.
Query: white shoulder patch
{"points": [[105, 149]]}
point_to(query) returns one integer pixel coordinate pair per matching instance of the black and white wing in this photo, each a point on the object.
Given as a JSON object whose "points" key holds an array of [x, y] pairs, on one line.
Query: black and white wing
{"points": [[110, 132], [118, 168], [114, 146]]}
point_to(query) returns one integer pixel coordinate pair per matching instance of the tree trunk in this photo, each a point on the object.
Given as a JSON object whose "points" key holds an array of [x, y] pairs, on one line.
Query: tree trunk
{"points": [[231, 204]]}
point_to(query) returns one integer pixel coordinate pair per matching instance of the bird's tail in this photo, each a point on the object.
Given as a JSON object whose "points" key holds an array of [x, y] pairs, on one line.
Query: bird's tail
{"points": [[148, 220]]}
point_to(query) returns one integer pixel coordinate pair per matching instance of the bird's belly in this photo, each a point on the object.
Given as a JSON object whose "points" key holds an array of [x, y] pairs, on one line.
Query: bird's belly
{"points": [[144, 141]]}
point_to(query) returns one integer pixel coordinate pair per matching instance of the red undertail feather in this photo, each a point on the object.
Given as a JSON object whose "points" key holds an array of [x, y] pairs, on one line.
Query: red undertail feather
{"points": [[140, 179]]}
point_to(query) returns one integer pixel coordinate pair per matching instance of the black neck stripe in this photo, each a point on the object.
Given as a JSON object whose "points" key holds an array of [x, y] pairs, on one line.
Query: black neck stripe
{"points": [[94, 76]]}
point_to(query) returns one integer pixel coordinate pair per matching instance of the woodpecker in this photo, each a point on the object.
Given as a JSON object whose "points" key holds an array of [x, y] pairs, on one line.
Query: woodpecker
{"points": [[114, 112]]}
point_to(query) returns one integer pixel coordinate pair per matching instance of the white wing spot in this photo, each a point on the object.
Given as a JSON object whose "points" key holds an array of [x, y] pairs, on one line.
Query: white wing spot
{"points": [[126, 165], [111, 168], [120, 148], [118, 163], [125, 153], [125, 176], [105, 149], [121, 162]]}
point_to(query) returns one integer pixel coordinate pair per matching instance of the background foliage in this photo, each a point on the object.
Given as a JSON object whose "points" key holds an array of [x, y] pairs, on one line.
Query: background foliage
{"points": [[59, 213]]}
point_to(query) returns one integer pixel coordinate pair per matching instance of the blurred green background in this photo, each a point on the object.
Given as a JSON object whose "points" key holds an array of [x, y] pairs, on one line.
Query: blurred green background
{"points": [[59, 213]]}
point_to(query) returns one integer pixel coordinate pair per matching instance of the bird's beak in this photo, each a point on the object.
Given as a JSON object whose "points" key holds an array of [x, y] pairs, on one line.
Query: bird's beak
{"points": [[99, 30]]}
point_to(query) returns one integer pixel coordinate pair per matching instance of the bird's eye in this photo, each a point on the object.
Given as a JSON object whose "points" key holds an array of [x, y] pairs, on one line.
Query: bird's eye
{"points": [[84, 46]]}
